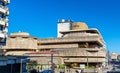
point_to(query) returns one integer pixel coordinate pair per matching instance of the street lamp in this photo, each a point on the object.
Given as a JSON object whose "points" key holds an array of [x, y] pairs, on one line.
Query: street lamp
{"points": [[91, 50], [48, 64], [52, 69], [21, 61], [87, 61], [52, 52]]}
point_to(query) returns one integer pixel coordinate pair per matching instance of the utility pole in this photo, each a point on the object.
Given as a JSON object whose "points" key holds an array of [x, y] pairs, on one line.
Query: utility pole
{"points": [[87, 61], [52, 69]]}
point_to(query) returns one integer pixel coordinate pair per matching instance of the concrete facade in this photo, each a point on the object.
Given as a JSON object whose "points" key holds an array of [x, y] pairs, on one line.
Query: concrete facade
{"points": [[75, 46], [63, 25], [114, 55]]}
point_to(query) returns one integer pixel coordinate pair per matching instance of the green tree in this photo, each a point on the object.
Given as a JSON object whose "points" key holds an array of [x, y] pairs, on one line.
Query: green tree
{"points": [[32, 64]]}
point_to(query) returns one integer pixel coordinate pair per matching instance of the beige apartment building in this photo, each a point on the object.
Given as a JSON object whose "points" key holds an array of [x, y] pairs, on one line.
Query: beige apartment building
{"points": [[79, 45], [114, 55]]}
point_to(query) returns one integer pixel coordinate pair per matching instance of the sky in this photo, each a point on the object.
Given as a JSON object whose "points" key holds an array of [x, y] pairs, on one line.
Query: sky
{"points": [[39, 17]]}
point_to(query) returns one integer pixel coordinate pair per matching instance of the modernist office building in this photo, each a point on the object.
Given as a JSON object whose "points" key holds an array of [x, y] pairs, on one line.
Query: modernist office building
{"points": [[76, 44]]}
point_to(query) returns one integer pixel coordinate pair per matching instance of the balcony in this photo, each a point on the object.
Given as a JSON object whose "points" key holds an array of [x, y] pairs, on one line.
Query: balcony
{"points": [[84, 60], [82, 52], [58, 46], [3, 21], [92, 50], [4, 10], [2, 35], [72, 39], [5, 1]]}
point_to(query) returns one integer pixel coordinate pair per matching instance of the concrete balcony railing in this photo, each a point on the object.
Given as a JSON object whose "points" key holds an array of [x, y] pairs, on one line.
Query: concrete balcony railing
{"points": [[85, 60], [80, 34], [5, 1], [20, 43], [2, 35], [4, 10], [3, 21], [58, 46], [83, 52], [71, 39]]}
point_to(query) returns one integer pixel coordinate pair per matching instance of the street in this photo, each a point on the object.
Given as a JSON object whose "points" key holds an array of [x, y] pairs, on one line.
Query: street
{"points": [[115, 68]]}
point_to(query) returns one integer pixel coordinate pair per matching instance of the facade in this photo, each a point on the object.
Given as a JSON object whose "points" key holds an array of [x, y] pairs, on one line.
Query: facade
{"points": [[4, 12], [114, 56], [63, 25], [118, 57], [78, 45], [20, 43], [13, 64]]}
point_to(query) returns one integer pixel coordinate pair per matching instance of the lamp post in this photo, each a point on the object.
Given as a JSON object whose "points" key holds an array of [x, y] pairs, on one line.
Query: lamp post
{"points": [[97, 58], [52, 63], [91, 50], [87, 61], [48, 64]]}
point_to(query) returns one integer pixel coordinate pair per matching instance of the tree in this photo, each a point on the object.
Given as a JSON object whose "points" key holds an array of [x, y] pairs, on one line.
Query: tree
{"points": [[32, 64]]}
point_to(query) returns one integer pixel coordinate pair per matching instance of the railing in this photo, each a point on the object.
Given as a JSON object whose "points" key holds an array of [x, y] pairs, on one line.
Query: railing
{"points": [[80, 52], [81, 34], [2, 35], [3, 21], [71, 39], [58, 46], [21, 43], [4, 10]]}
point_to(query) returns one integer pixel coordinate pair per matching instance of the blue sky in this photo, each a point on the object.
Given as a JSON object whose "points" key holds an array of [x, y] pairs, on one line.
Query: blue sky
{"points": [[39, 17]]}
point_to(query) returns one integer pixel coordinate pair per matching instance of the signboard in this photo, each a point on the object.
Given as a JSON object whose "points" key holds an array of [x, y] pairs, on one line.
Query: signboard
{"points": [[82, 65]]}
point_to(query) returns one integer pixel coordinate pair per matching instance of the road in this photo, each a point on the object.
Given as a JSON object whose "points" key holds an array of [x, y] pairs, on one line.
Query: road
{"points": [[115, 68]]}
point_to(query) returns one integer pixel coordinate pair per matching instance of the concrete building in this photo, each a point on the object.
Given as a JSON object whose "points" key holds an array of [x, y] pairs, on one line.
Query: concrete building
{"points": [[114, 56], [118, 57], [20, 43], [78, 45], [63, 25], [4, 12]]}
